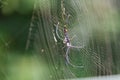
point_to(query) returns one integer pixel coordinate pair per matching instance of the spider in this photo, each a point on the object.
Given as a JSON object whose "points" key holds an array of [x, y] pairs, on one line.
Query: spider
{"points": [[67, 43]]}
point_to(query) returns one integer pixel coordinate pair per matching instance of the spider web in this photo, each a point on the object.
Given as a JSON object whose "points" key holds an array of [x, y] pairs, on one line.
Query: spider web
{"points": [[41, 39], [94, 51], [80, 34]]}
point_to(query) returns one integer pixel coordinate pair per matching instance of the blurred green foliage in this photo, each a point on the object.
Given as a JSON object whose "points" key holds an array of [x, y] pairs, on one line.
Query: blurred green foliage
{"points": [[20, 6]]}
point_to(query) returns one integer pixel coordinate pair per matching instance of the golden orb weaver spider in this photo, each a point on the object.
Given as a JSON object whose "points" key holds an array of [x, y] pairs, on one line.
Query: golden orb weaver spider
{"points": [[67, 43]]}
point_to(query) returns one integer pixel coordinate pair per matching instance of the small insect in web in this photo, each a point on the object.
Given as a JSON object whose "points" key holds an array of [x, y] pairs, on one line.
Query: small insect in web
{"points": [[67, 42]]}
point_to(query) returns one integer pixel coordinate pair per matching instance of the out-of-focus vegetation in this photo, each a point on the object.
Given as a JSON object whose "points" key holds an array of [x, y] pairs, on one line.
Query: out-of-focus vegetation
{"points": [[27, 68], [20, 6], [28, 50]]}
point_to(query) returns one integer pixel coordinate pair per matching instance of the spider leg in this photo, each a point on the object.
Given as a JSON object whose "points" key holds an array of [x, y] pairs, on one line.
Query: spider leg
{"points": [[73, 37], [67, 19], [68, 61], [63, 47], [57, 31], [66, 55], [77, 46]]}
